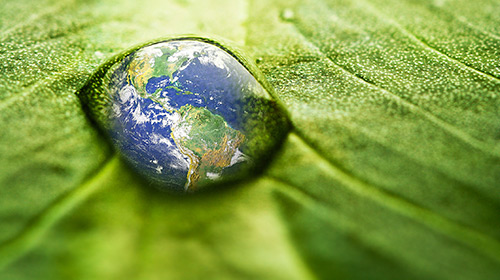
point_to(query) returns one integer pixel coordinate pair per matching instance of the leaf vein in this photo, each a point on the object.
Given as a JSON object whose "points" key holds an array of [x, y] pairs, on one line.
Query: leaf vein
{"points": [[424, 44], [460, 134], [40, 225], [478, 241]]}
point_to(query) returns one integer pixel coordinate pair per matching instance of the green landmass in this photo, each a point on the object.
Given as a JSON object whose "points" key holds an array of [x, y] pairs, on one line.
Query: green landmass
{"points": [[140, 71], [210, 142], [163, 67]]}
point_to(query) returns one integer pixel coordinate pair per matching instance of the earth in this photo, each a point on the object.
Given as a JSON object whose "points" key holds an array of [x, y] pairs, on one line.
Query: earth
{"points": [[178, 112]]}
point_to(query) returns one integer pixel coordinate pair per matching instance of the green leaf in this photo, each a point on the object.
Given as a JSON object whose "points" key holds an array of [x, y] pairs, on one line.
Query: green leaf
{"points": [[391, 171]]}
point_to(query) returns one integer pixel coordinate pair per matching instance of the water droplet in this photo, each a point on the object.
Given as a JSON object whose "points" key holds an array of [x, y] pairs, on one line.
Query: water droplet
{"points": [[185, 113], [287, 15]]}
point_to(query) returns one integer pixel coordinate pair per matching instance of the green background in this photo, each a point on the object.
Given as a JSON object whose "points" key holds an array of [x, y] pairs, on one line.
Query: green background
{"points": [[391, 171]]}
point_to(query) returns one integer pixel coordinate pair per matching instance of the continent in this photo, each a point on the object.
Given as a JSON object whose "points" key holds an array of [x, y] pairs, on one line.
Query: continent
{"points": [[155, 62], [140, 71], [208, 141]]}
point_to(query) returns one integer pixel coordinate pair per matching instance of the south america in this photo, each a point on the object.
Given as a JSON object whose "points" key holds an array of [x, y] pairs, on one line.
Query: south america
{"points": [[208, 142]]}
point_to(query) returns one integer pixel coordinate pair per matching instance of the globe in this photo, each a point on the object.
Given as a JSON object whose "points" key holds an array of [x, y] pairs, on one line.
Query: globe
{"points": [[185, 113]]}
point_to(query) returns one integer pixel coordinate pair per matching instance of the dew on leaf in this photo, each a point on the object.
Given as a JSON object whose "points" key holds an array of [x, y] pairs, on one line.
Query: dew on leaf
{"points": [[287, 15], [185, 113]]}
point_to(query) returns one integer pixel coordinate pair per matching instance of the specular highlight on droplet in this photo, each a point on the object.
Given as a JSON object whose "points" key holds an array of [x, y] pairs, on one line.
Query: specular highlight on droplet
{"points": [[185, 113]]}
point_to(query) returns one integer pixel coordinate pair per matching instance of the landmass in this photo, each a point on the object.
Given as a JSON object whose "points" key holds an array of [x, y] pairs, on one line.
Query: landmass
{"points": [[207, 140]]}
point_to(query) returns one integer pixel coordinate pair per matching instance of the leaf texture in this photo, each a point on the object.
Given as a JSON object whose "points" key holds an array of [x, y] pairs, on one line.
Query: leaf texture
{"points": [[391, 171]]}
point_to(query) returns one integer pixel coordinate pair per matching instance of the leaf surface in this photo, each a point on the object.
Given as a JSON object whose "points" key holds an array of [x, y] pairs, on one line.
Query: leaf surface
{"points": [[392, 168]]}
